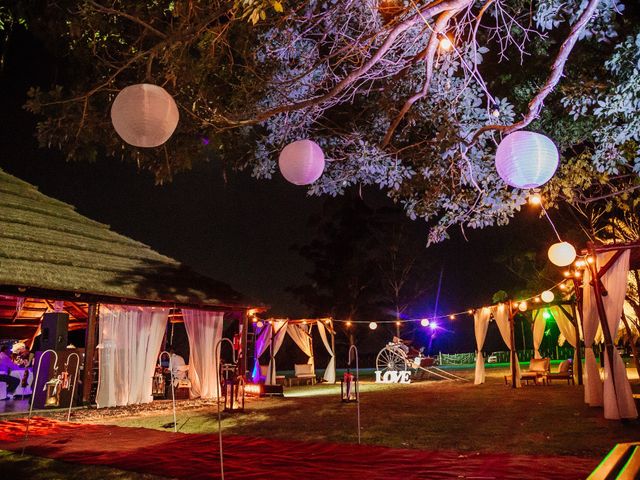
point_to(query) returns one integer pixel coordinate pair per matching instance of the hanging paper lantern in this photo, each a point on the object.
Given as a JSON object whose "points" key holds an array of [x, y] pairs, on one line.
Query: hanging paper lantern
{"points": [[523, 306], [547, 296], [373, 325], [562, 254], [144, 115], [424, 322], [301, 162], [526, 159]]}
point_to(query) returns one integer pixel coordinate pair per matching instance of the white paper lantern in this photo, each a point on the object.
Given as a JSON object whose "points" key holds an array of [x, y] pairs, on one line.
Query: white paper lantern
{"points": [[562, 254], [526, 159], [424, 322], [547, 296], [523, 306], [144, 115], [373, 325], [301, 162]]}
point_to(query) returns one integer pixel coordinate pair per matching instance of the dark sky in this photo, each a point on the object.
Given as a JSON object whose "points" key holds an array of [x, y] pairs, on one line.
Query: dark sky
{"points": [[240, 232]]}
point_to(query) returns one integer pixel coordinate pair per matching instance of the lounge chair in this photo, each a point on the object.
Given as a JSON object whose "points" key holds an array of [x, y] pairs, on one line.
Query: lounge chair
{"points": [[303, 373], [565, 372], [538, 371]]}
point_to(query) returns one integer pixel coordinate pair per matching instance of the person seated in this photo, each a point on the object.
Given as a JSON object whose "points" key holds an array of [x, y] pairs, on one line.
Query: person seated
{"points": [[6, 366], [177, 361], [401, 344]]}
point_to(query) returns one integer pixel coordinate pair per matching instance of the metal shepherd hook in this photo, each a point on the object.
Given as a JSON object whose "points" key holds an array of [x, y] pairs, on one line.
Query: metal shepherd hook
{"points": [[33, 391], [217, 357], [173, 395], [75, 380], [354, 349]]}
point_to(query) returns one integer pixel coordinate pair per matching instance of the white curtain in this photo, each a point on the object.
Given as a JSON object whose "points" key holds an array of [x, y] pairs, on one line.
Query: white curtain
{"points": [[279, 331], [129, 344], [204, 330], [568, 331], [263, 340], [592, 383], [330, 371], [539, 326], [501, 315], [301, 335], [481, 325], [618, 398]]}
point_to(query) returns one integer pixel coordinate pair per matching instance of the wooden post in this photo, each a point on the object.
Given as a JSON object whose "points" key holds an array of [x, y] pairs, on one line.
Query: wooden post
{"points": [[578, 367], [91, 337], [244, 325], [512, 316], [272, 362], [333, 342]]}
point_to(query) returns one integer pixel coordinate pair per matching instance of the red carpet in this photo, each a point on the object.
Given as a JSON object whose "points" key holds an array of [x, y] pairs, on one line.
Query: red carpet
{"points": [[196, 456]]}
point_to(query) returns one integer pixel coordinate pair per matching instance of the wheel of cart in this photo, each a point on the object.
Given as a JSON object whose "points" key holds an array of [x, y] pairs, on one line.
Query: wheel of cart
{"points": [[392, 358]]}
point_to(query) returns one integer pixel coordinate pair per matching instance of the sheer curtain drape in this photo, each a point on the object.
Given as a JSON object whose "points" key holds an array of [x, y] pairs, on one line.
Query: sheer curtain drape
{"points": [[263, 336], [618, 398], [279, 331], [481, 319], [539, 325], [204, 330], [301, 335], [501, 315], [129, 344], [568, 330], [593, 391], [330, 371]]}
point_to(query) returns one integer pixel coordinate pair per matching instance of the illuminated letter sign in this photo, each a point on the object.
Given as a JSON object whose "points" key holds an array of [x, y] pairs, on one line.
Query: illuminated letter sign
{"points": [[393, 376]]}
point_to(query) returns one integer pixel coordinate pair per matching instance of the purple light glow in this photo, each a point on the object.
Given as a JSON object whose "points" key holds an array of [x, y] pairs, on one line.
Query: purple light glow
{"points": [[205, 141], [433, 325]]}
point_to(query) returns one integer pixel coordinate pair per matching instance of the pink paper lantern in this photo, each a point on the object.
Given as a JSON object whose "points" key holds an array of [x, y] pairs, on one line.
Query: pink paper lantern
{"points": [[301, 162], [144, 115], [526, 159]]}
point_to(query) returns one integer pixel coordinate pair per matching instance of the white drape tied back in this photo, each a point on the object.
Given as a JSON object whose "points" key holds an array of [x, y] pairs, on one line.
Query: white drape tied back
{"points": [[330, 371], [593, 392], [567, 330], [204, 330], [263, 335], [618, 398], [301, 335], [129, 344], [501, 315], [539, 326], [279, 330], [481, 319]]}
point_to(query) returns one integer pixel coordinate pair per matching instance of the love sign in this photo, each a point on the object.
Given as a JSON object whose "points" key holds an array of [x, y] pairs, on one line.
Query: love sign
{"points": [[392, 376]]}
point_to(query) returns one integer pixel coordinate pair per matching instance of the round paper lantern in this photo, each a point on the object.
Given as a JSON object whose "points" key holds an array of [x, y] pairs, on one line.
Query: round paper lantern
{"points": [[526, 159], [373, 325], [562, 254], [301, 162], [144, 115], [547, 296], [523, 306], [424, 322]]}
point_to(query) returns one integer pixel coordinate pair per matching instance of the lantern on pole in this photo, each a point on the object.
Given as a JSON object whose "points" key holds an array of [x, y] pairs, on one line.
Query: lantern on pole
{"points": [[562, 254], [301, 162], [526, 159], [144, 115]]}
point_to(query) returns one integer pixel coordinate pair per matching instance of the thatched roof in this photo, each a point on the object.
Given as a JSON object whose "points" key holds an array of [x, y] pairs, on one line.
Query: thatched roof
{"points": [[49, 250]]}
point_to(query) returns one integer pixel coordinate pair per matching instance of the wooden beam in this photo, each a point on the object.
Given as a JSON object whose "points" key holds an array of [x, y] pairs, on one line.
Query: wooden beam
{"points": [[514, 370], [91, 337], [244, 324]]}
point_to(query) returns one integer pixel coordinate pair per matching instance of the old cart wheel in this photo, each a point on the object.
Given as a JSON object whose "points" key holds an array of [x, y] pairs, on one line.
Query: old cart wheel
{"points": [[391, 359]]}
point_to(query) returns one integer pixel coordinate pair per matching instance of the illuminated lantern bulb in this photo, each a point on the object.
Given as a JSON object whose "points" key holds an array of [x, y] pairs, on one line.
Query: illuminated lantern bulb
{"points": [[301, 162], [397, 324], [470, 312], [424, 322], [537, 299], [373, 325], [445, 43], [348, 323], [526, 159], [535, 199], [581, 264], [563, 286], [562, 254], [522, 307], [547, 296], [259, 324], [144, 115], [516, 305], [452, 317], [495, 112]]}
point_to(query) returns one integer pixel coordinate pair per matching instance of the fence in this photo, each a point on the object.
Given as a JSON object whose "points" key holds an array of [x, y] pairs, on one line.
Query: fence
{"points": [[558, 353]]}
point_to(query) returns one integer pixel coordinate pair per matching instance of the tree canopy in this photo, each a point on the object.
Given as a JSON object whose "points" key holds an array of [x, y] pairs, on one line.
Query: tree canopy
{"points": [[372, 83]]}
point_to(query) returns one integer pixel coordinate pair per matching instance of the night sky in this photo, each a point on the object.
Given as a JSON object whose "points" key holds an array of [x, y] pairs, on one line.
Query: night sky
{"points": [[241, 231]]}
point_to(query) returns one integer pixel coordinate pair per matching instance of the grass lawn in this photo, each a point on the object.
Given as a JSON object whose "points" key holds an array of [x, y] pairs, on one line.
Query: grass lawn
{"points": [[551, 420], [12, 465]]}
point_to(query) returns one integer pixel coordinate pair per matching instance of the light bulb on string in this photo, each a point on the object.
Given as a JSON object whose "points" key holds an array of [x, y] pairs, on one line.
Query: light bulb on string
{"points": [[547, 296], [470, 311], [445, 43], [537, 299], [259, 324], [348, 323], [398, 324], [452, 317], [373, 325], [535, 199], [563, 286], [523, 306], [424, 322]]}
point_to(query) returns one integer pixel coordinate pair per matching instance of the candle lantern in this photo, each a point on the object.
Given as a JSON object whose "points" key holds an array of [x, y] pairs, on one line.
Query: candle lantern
{"points": [[348, 390], [52, 389]]}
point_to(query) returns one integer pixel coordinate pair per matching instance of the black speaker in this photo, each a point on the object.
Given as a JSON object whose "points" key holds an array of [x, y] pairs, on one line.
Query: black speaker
{"points": [[54, 331]]}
